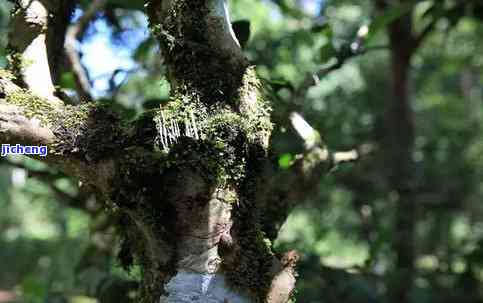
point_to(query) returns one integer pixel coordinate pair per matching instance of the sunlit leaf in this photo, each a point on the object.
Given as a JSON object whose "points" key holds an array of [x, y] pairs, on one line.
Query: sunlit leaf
{"points": [[285, 161]]}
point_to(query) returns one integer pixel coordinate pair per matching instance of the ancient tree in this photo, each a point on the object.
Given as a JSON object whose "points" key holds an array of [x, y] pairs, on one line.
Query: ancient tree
{"points": [[192, 182]]}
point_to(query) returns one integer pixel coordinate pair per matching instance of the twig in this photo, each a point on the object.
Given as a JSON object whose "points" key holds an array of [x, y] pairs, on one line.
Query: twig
{"points": [[316, 149], [74, 33], [313, 78]]}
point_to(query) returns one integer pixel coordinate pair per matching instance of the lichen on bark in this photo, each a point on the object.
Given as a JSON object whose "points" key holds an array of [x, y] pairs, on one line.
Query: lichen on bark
{"points": [[184, 178], [193, 200]]}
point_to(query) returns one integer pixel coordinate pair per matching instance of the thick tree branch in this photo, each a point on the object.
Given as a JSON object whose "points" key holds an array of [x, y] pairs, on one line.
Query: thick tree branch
{"points": [[31, 120], [199, 30], [15, 126], [28, 44]]}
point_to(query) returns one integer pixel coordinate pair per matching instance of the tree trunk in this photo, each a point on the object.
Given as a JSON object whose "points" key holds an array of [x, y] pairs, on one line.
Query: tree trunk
{"points": [[197, 198], [188, 179], [399, 149]]}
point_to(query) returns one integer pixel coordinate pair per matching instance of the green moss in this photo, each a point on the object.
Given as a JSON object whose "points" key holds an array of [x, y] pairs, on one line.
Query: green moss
{"points": [[252, 118], [40, 108], [251, 269], [223, 100], [197, 66], [88, 131], [215, 138], [32, 106], [76, 115]]}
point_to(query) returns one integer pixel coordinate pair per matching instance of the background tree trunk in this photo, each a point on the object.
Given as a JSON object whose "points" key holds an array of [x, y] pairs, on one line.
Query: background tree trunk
{"points": [[399, 148]]}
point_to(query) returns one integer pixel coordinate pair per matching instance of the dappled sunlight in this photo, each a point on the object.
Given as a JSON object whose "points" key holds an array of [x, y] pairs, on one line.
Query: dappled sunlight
{"points": [[345, 151]]}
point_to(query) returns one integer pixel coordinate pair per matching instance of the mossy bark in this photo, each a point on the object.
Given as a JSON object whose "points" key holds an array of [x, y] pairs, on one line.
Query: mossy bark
{"points": [[194, 202], [186, 179]]}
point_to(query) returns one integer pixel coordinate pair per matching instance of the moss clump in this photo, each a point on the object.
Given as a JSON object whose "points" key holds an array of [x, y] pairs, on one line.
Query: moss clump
{"points": [[214, 137], [15, 62], [248, 110], [210, 159], [89, 131], [253, 260], [197, 65], [138, 191], [32, 106], [217, 125], [253, 104], [249, 267]]}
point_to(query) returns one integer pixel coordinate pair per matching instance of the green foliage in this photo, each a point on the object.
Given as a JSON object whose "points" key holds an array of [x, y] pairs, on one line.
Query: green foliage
{"points": [[285, 160], [343, 232], [380, 23]]}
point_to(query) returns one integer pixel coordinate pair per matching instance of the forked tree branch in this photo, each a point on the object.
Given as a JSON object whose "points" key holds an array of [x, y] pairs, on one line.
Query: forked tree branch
{"points": [[295, 184]]}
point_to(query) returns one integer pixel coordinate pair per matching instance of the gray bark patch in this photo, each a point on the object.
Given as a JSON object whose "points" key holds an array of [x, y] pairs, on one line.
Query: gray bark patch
{"points": [[190, 287]]}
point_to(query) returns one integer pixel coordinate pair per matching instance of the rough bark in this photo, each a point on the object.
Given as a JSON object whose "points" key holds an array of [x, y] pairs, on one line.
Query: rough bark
{"points": [[219, 113], [68, 132], [188, 180]]}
